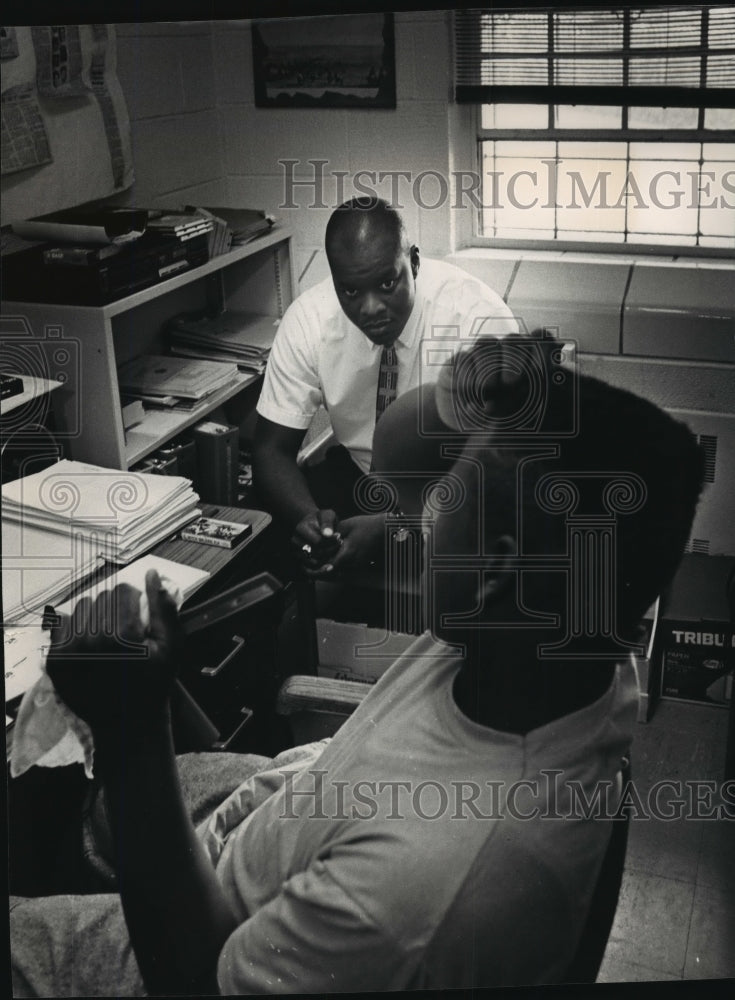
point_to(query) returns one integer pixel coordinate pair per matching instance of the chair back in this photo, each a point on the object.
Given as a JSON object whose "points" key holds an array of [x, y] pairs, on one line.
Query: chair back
{"points": [[585, 965]]}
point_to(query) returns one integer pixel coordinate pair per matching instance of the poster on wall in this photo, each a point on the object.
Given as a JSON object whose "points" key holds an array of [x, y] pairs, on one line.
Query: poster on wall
{"points": [[65, 126]]}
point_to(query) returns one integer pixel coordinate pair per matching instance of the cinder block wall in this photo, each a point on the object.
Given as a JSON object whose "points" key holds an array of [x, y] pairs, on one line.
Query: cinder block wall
{"points": [[167, 73], [414, 138]]}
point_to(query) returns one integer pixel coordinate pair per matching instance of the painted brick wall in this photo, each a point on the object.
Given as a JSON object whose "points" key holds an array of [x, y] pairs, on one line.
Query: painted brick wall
{"points": [[167, 72], [414, 137]]}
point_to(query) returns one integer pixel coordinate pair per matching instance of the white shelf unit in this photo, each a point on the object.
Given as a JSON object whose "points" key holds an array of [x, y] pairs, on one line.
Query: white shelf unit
{"points": [[33, 388], [82, 346]]}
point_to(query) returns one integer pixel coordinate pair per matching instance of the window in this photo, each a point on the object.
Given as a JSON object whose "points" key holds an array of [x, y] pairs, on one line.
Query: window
{"points": [[614, 126]]}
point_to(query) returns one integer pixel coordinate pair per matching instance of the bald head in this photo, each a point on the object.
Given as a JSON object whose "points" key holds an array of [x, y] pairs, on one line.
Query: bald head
{"points": [[361, 222], [373, 267]]}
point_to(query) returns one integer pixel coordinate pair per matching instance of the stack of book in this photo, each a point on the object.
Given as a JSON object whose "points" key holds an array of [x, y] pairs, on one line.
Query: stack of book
{"points": [[220, 236], [234, 336], [235, 226], [162, 381], [113, 514], [180, 225]]}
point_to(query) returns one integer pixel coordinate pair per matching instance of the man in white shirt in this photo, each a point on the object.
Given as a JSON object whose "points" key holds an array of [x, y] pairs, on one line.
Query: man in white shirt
{"points": [[328, 351]]}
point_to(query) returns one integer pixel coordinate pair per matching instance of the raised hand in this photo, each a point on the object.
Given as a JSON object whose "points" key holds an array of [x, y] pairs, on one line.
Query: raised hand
{"points": [[107, 665]]}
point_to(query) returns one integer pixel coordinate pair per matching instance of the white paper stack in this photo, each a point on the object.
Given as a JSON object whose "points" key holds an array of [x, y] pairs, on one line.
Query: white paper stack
{"points": [[25, 643], [41, 566], [120, 514]]}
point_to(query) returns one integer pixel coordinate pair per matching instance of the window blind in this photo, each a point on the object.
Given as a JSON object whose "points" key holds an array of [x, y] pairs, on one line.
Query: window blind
{"points": [[681, 56]]}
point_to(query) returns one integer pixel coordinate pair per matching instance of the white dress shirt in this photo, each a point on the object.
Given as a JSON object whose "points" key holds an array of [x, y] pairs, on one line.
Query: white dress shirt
{"points": [[320, 357]]}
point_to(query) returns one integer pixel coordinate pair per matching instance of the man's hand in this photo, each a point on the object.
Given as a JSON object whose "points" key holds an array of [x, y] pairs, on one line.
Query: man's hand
{"points": [[317, 539], [175, 909], [106, 666], [361, 543]]}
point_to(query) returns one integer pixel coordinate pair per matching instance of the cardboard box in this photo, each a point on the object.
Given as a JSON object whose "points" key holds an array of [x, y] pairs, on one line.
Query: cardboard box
{"points": [[696, 633]]}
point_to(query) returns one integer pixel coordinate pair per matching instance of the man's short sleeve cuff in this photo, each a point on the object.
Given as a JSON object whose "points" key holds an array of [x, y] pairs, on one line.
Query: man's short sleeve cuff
{"points": [[287, 418]]}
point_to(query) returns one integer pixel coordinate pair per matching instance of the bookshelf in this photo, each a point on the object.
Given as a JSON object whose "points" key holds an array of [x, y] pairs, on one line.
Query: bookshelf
{"points": [[82, 346], [33, 388]]}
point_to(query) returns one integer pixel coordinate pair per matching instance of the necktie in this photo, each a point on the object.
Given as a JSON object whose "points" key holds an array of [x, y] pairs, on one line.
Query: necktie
{"points": [[387, 381]]}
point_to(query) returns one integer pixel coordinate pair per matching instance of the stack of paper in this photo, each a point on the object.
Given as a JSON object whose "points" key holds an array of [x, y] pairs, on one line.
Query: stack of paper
{"points": [[40, 566], [178, 579], [25, 648], [156, 375], [122, 514], [235, 336]]}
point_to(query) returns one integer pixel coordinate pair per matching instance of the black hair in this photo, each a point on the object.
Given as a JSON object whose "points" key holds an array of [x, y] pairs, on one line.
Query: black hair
{"points": [[364, 216], [652, 468]]}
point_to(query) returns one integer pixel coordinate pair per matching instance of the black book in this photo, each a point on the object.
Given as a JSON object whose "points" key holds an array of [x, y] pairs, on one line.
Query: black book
{"points": [[10, 385]]}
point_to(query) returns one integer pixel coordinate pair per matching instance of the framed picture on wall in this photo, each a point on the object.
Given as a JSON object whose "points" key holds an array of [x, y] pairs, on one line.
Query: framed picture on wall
{"points": [[345, 61]]}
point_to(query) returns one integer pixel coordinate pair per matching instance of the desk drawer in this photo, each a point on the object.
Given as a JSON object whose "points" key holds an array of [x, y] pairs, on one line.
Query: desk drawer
{"points": [[230, 674]]}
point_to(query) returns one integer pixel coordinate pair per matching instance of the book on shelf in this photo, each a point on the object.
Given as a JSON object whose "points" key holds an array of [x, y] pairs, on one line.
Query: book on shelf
{"points": [[159, 375], [133, 413], [235, 336], [216, 462], [155, 402], [255, 366], [244, 224], [180, 225], [220, 237]]}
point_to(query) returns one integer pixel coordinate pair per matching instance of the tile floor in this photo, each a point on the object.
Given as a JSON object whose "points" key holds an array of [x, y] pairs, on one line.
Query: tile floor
{"points": [[676, 912]]}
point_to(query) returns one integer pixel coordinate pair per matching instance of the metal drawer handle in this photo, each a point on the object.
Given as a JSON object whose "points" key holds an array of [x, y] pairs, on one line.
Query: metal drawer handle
{"points": [[214, 671], [225, 745]]}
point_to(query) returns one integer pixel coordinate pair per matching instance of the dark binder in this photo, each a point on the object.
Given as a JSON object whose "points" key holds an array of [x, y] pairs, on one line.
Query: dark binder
{"points": [[216, 462]]}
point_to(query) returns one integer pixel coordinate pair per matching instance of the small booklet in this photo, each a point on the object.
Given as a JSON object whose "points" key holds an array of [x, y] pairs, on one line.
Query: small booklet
{"points": [[209, 531]]}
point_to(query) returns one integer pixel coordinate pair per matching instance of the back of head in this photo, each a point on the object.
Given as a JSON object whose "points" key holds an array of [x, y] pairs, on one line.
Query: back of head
{"points": [[596, 458], [631, 470]]}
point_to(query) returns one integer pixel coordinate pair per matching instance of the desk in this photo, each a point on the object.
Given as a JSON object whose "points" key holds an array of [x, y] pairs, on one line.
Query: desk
{"points": [[217, 561], [231, 670], [45, 803], [225, 566]]}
